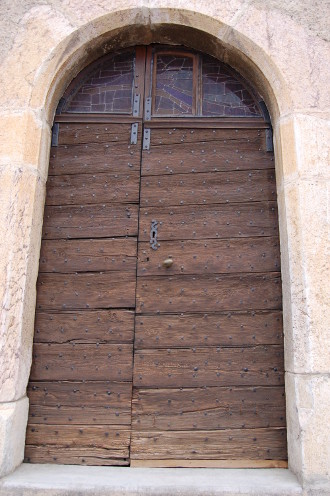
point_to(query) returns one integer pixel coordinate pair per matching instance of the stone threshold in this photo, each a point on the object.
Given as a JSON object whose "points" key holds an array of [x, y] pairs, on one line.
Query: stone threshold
{"points": [[69, 480]]}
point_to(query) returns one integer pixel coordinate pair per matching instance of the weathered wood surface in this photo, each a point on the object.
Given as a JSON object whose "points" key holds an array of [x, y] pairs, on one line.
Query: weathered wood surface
{"points": [[210, 221], [208, 188], [208, 293], [86, 290], [187, 158], [84, 415], [94, 158], [90, 221], [198, 367], [227, 329], [88, 255], [76, 189], [75, 456], [77, 393], [78, 133], [102, 326], [228, 444], [90, 362], [208, 408], [211, 256], [115, 438], [220, 137]]}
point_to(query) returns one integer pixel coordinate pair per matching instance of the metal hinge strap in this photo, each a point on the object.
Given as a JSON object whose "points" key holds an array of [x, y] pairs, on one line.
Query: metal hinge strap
{"points": [[136, 105], [134, 133], [146, 139], [147, 111]]}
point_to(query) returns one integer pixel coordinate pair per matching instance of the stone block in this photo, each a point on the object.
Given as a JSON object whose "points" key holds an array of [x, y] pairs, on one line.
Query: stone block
{"points": [[22, 199], [13, 420], [308, 418], [24, 139], [305, 274], [296, 154]]}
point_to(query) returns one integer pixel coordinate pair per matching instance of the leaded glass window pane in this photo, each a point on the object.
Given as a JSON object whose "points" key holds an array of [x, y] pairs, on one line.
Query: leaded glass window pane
{"points": [[174, 85], [223, 94], [108, 89]]}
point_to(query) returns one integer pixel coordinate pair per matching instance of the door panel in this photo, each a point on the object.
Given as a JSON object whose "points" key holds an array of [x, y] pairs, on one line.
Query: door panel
{"points": [[81, 379], [208, 337]]}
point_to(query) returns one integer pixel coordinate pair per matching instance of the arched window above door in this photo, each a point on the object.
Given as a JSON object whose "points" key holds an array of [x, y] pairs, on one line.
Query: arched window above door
{"points": [[178, 82]]}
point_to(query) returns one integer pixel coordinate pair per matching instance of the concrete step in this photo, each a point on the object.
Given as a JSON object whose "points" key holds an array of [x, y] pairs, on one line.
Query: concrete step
{"points": [[69, 480]]}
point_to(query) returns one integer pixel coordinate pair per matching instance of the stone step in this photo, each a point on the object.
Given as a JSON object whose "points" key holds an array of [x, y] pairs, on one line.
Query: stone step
{"points": [[69, 480]]}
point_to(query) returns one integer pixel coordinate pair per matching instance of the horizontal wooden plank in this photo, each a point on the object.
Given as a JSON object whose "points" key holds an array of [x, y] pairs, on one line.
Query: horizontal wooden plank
{"points": [[208, 188], [190, 158], [229, 444], [199, 367], [76, 189], [207, 293], [96, 436], [67, 362], [210, 221], [102, 326], [86, 290], [228, 137], [83, 415], [106, 118], [77, 133], [88, 255], [90, 221], [76, 394], [226, 329], [208, 408], [207, 122], [94, 158], [211, 256], [75, 456], [209, 463]]}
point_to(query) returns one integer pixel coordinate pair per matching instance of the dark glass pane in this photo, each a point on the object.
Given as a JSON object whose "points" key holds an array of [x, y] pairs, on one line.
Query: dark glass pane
{"points": [[174, 85], [108, 89], [223, 94]]}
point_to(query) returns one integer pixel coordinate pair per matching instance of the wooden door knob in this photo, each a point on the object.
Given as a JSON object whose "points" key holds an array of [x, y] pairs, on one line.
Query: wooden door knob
{"points": [[167, 262]]}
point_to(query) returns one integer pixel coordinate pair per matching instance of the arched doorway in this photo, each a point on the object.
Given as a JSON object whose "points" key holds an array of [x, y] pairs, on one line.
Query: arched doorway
{"points": [[158, 335]]}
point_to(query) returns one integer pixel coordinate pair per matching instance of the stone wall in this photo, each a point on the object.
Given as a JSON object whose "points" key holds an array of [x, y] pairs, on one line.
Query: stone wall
{"points": [[281, 47]]}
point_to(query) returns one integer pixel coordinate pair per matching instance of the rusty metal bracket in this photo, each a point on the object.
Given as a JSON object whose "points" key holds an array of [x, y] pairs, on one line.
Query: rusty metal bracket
{"points": [[153, 235], [136, 105], [147, 109], [146, 139], [134, 133]]}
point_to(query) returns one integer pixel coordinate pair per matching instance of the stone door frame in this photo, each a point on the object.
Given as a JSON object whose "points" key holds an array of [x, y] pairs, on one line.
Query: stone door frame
{"points": [[27, 133]]}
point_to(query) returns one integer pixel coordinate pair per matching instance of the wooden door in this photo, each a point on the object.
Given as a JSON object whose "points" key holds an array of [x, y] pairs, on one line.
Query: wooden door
{"points": [[208, 365], [160, 249]]}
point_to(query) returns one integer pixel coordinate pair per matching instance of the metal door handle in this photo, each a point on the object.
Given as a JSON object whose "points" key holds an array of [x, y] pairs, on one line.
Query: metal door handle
{"points": [[167, 262]]}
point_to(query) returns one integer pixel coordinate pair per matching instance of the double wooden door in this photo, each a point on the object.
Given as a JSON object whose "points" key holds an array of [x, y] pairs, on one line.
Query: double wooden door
{"points": [[158, 335]]}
